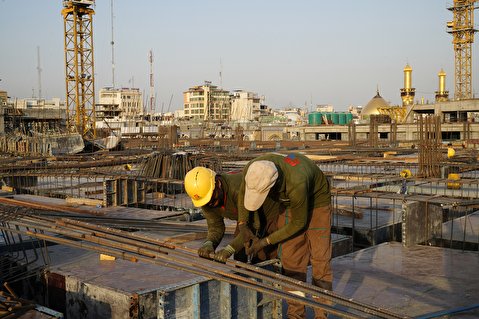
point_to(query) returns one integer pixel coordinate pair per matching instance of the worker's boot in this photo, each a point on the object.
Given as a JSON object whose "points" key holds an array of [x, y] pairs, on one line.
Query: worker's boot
{"points": [[318, 313], [296, 310]]}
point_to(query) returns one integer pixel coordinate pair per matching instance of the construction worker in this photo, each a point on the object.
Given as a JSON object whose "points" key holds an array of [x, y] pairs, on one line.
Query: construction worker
{"points": [[217, 195], [304, 231]]}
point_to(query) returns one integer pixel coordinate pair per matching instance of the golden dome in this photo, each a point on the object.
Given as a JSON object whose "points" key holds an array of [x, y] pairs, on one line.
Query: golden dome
{"points": [[372, 107]]}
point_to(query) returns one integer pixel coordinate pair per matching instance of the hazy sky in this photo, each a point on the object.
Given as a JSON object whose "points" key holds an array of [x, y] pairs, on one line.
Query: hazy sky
{"points": [[294, 53]]}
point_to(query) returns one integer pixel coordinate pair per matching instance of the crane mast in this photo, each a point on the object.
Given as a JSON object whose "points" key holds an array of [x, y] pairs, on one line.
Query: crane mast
{"points": [[462, 30], [79, 66]]}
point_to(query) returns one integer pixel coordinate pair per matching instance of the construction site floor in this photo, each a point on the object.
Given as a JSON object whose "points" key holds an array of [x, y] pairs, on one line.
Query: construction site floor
{"points": [[412, 281]]}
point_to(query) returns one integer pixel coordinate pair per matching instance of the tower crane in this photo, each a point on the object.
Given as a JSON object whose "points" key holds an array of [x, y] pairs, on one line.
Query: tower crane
{"points": [[462, 30], [79, 66]]}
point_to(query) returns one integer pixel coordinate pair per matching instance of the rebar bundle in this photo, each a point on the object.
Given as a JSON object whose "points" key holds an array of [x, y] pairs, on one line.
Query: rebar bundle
{"points": [[137, 248], [429, 136]]}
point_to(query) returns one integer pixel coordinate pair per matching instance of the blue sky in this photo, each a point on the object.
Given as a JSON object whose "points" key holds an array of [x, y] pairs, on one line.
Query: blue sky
{"points": [[294, 53]]}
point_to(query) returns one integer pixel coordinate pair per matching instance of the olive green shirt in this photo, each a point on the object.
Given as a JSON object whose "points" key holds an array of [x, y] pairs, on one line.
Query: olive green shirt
{"points": [[301, 186], [215, 215]]}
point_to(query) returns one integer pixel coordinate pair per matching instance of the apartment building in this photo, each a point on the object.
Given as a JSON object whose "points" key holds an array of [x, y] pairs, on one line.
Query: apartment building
{"points": [[123, 103], [207, 102], [245, 106]]}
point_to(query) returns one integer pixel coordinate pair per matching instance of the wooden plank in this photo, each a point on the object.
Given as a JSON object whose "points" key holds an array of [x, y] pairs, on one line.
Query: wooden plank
{"points": [[7, 188], [83, 201], [347, 212]]}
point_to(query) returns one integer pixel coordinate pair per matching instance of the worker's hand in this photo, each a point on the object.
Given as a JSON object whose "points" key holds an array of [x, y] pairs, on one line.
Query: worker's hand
{"points": [[245, 233], [256, 246], [225, 253], [206, 249]]}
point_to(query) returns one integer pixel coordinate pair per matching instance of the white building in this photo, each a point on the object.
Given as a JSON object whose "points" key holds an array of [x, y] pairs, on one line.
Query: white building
{"points": [[245, 106], [324, 108], [125, 103], [54, 103]]}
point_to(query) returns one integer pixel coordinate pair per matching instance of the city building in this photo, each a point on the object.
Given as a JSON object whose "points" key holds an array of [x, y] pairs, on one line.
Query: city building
{"points": [[125, 103], [3, 97], [323, 108], [207, 102], [245, 106]]}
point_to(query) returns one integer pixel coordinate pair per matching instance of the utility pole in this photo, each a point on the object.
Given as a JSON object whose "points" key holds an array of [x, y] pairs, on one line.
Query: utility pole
{"points": [[221, 74], [112, 48]]}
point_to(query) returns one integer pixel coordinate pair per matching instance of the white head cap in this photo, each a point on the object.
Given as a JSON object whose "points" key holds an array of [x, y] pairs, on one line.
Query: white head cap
{"points": [[259, 179]]}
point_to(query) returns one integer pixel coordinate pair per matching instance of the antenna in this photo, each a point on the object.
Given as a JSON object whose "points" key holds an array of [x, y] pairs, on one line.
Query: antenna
{"points": [[152, 84], [169, 104], [131, 81], [112, 48], [39, 70], [221, 75]]}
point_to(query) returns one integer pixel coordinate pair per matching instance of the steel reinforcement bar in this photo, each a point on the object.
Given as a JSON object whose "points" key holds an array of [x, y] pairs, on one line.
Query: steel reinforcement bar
{"points": [[134, 248]]}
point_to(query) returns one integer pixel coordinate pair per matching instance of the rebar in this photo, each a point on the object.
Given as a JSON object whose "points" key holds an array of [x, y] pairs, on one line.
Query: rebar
{"points": [[135, 248]]}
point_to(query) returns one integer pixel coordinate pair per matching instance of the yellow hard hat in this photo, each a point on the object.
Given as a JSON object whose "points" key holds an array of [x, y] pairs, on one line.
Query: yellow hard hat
{"points": [[405, 173], [199, 185], [450, 152]]}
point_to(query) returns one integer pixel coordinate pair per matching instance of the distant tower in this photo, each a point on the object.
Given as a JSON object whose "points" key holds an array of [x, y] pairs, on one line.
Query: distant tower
{"points": [[462, 30], [79, 77], [152, 84], [39, 70], [408, 92], [441, 94]]}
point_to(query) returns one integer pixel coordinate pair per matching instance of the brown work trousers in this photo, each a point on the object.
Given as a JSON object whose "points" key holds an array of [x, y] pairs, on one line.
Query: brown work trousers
{"points": [[313, 246]]}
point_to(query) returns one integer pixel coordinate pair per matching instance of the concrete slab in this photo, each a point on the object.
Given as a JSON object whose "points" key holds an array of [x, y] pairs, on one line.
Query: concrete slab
{"points": [[410, 281]]}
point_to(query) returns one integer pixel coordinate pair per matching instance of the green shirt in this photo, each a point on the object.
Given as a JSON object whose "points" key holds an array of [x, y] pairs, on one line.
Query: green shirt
{"points": [[301, 186], [215, 215]]}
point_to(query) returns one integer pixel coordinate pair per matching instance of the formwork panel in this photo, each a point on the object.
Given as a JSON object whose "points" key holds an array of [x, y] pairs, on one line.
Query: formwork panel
{"points": [[180, 302], [421, 222], [87, 300]]}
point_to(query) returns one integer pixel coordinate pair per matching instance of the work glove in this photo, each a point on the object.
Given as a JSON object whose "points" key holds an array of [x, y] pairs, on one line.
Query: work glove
{"points": [[245, 232], [206, 249], [225, 253], [256, 246]]}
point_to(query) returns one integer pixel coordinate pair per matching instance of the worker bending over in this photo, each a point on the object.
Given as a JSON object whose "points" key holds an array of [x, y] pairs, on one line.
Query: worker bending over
{"points": [[304, 231]]}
